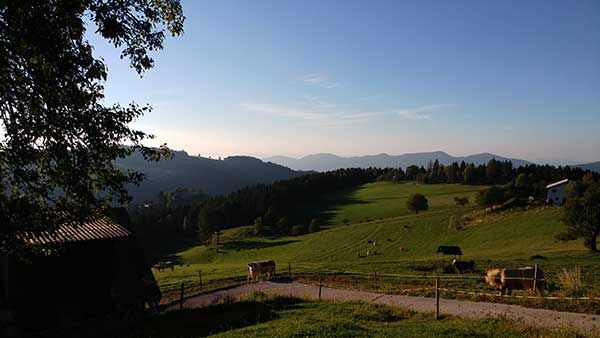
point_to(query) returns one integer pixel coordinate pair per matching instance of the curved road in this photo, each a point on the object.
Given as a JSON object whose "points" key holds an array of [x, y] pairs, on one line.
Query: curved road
{"points": [[584, 323]]}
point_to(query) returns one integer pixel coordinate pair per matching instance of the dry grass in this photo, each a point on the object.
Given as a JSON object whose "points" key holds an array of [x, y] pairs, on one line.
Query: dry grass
{"points": [[571, 280]]}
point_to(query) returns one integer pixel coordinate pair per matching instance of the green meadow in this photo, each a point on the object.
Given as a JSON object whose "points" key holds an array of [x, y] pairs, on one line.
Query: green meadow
{"points": [[405, 242], [259, 316]]}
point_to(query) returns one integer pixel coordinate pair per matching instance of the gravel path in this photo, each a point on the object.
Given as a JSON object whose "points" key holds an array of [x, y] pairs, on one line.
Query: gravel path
{"points": [[585, 323]]}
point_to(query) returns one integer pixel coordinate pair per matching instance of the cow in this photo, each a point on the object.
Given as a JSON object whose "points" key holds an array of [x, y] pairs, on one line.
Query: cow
{"points": [[515, 279], [463, 266], [256, 269]]}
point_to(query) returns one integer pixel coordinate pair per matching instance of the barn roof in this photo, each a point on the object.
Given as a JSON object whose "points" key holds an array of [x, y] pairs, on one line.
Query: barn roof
{"points": [[449, 250], [551, 185], [100, 228]]}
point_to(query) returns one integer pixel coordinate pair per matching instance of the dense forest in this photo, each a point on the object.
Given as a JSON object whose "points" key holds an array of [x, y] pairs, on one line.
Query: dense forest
{"points": [[191, 214]]}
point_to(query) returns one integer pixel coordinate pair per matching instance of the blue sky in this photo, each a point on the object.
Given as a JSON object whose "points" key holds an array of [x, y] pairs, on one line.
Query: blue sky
{"points": [[517, 78]]}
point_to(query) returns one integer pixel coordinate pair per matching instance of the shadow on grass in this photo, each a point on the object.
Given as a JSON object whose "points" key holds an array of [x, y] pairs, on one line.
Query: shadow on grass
{"points": [[324, 208], [215, 319]]}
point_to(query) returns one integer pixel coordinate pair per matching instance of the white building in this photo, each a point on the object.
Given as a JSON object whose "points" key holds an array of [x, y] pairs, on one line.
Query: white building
{"points": [[557, 192]]}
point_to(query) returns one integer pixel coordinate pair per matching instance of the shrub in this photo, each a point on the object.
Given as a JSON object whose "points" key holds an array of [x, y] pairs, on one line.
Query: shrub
{"points": [[461, 201], [283, 226], [298, 230], [259, 227], [417, 202]]}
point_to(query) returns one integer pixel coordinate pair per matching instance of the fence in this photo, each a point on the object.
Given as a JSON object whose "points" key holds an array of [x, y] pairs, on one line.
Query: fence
{"points": [[430, 285]]}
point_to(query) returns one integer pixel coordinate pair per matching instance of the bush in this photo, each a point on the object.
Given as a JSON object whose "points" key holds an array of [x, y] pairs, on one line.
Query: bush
{"points": [[314, 226], [461, 201], [417, 202], [259, 227], [283, 226], [489, 197], [298, 230]]}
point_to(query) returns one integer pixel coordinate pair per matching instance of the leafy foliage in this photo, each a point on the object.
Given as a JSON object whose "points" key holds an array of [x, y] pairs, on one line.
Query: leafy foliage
{"points": [[491, 196], [59, 139], [581, 211], [417, 202]]}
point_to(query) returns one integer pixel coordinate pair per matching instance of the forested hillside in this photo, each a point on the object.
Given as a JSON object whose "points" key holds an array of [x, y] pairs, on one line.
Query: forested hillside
{"points": [[211, 176]]}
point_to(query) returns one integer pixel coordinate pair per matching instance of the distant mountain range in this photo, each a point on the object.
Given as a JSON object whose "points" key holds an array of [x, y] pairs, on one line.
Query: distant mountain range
{"points": [[326, 162], [208, 175], [594, 166]]}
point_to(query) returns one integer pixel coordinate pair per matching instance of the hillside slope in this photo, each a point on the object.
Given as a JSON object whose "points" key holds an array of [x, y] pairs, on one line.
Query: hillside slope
{"points": [[198, 173], [377, 212]]}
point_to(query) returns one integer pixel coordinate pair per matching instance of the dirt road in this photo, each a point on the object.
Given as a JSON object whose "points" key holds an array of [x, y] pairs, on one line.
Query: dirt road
{"points": [[587, 324]]}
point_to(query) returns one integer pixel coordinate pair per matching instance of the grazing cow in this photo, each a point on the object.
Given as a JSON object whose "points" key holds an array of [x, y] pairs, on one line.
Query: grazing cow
{"points": [[463, 266], [370, 242], [256, 269], [514, 279]]}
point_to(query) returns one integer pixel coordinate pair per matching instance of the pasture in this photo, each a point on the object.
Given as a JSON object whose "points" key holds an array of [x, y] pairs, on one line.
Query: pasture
{"points": [[405, 242]]}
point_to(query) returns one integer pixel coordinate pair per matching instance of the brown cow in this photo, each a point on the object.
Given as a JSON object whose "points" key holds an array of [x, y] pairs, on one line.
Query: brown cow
{"points": [[514, 279], [255, 269]]}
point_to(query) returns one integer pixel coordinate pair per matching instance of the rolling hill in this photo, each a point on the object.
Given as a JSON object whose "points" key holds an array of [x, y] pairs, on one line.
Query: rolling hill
{"points": [[197, 173], [326, 162], [405, 241]]}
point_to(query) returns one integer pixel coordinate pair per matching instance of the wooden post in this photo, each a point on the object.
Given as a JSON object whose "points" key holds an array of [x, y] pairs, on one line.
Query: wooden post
{"points": [[181, 298], [535, 270], [437, 298], [289, 270], [320, 286], [200, 277]]}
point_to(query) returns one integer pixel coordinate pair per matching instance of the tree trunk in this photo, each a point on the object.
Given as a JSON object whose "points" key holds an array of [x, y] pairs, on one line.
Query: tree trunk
{"points": [[593, 240]]}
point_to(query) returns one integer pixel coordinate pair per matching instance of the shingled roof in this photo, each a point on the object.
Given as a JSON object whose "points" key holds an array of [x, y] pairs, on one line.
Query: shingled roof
{"points": [[101, 228]]}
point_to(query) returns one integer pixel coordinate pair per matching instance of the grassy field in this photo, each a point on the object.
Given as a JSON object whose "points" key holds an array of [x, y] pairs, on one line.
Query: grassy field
{"points": [[290, 317], [405, 242]]}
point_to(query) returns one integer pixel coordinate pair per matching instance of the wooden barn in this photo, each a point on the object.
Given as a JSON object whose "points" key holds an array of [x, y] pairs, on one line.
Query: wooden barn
{"points": [[100, 271]]}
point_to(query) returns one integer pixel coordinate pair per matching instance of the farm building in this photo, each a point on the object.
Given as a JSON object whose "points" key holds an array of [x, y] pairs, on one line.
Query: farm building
{"points": [[99, 271], [557, 192]]}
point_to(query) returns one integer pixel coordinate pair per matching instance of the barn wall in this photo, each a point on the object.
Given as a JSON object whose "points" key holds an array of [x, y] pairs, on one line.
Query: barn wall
{"points": [[557, 194], [67, 288]]}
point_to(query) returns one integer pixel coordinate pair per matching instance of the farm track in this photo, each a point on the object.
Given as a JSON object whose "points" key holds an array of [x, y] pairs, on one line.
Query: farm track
{"points": [[584, 323]]}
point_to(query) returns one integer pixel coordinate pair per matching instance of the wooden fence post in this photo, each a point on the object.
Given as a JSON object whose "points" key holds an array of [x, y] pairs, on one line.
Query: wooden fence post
{"points": [[320, 286], [437, 298], [200, 277], [181, 298], [535, 270], [290, 270]]}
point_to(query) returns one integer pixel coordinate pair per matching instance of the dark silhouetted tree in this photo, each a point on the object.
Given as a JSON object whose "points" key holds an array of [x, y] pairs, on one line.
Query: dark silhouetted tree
{"points": [[581, 212], [489, 197], [59, 136]]}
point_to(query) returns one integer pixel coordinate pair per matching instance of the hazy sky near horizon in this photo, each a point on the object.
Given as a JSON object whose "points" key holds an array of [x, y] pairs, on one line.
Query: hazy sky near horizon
{"points": [[272, 77]]}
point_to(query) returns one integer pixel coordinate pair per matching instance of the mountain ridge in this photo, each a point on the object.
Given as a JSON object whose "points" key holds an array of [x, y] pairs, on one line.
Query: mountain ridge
{"points": [[327, 161], [211, 176]]}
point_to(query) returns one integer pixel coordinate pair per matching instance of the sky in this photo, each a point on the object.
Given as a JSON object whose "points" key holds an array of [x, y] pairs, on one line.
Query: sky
{"points": [[262, 78]]}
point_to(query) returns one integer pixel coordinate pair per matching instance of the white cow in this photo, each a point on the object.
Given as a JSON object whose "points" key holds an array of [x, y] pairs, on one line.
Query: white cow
{"points": [[256, 269]]}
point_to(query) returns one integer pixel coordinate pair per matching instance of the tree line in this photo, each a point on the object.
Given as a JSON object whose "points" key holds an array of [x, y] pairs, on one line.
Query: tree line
{"points": [[531, 178]]}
